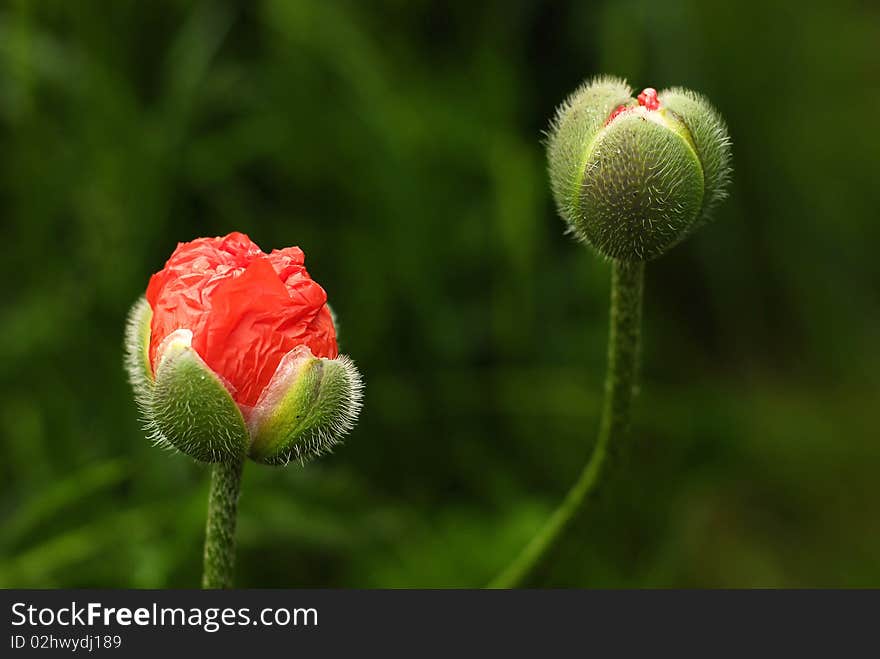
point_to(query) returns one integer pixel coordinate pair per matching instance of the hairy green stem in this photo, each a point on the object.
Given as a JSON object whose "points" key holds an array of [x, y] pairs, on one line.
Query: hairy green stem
{"points": [[220, 531], [620, 384]]}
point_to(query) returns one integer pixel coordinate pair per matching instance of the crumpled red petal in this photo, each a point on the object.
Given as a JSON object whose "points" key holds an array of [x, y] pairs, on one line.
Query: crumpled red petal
{"points": [[246, 309]]}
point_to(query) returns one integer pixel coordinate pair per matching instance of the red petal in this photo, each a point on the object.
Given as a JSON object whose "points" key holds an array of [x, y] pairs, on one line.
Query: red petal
{"points": [[253, 323], [648, 98], [321, 335], [620, 109], [246, 309]]}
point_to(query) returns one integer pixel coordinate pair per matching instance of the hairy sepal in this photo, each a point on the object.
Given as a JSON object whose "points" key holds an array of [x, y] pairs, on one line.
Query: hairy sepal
{"points": [[190, 408], [137, 343], [642, 188], [574, 127], [711, 140], [306, 409]]}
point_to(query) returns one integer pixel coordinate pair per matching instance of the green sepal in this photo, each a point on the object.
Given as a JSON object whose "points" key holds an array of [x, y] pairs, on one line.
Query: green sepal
{"points": [[710, 139], [642, 187], [306, 409], [574, 127], [137, 351], [190, 408]]}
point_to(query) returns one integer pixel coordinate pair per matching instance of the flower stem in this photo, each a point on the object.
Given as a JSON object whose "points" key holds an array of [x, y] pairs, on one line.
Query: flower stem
{"points": [[627, 281], [220, 531]]}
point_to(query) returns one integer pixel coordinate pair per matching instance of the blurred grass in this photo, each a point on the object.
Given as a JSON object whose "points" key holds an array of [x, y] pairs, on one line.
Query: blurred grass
{"points": [[399, 145]]}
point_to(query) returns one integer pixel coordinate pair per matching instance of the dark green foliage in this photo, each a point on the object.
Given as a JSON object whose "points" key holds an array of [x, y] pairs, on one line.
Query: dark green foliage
{"points": [[399, 145]]}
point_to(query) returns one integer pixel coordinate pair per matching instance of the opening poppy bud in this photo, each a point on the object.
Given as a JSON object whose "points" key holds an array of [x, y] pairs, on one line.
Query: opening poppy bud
{"points": [[633, 177], [215, 336]]}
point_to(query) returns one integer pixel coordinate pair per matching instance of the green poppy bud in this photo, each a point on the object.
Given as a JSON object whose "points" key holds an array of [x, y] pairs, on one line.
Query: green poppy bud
{"points": [[633, 177]]}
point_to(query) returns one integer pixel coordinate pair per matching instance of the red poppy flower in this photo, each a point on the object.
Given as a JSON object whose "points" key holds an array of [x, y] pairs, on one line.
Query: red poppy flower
{"points": [[246, 310]]}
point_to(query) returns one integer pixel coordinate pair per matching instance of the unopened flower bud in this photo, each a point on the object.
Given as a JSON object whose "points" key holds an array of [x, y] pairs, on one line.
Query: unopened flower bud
{"points": [[633, 177], [233, 353]]}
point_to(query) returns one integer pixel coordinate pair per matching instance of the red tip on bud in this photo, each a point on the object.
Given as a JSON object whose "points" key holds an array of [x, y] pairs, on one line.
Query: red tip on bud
{"points": [[648, 99], [616, 111]]}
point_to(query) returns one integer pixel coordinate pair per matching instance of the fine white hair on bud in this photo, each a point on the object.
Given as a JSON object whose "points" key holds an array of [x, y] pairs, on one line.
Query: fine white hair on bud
{"points": [[576, 121], [633, 177], [192, 408], [308, 407], [140, 373], [137, 342], [711, 141]]}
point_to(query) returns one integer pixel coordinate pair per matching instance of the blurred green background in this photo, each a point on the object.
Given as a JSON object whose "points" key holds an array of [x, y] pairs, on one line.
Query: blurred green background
{"points": [[398, 143]]}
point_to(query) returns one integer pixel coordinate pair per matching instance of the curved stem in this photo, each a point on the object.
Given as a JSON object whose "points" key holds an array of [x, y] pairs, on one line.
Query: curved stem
{"points": [[627, 280], [220, 531]]}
